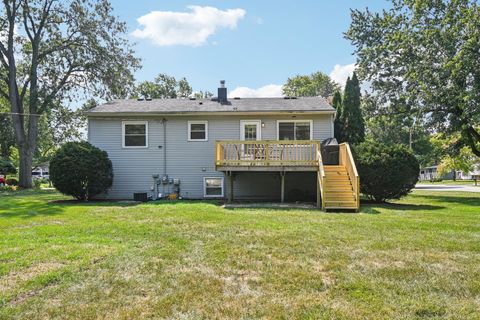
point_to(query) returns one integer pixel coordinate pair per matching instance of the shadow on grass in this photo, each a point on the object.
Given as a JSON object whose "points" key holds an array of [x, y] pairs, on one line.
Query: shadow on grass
{"points": [[32, 203], [182, 202], [233, 209], [270, 205], [29, 210]]}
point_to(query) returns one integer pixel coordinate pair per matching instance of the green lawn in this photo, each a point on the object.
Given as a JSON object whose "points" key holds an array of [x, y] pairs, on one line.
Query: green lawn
{"points": [[416, 259]]}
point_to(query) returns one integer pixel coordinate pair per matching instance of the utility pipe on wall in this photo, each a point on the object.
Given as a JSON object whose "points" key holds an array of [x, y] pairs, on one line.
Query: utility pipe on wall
{"points": [[164, 123]]}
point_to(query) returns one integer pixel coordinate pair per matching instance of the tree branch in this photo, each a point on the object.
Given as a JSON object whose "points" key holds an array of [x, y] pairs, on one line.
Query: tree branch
{"points": [[25, 24], [58, 87], [2, 56], [471, 133]]}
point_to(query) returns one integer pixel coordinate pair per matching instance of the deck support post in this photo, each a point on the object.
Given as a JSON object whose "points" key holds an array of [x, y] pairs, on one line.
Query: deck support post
{"points": [[282, 187], [230, 186], [319, 198]]}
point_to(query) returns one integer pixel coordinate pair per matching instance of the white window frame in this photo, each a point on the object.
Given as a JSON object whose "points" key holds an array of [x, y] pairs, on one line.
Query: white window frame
{"points": [[205, 188], [123, 134], [258, 123], [296, 120], [189, 126]]}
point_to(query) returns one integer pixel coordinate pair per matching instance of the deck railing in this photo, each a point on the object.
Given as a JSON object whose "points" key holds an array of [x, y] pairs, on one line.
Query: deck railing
{"points": [[321, 180], [346, 159], [267, 153]]}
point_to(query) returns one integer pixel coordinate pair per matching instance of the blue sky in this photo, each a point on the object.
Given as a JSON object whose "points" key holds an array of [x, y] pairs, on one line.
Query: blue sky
{"points": [[250, 44]]}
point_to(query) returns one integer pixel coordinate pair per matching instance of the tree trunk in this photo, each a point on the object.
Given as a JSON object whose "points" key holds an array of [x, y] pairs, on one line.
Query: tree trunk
{"points": [[25, 168], [26, 144]]}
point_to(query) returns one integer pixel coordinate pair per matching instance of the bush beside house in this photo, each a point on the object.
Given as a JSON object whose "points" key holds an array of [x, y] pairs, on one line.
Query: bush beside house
{"points": [[386, 171], [81, 170]]}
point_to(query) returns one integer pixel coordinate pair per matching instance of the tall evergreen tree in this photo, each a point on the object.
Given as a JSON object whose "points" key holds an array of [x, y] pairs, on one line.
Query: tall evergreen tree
{"points": [[351, 119], [337, 104]]}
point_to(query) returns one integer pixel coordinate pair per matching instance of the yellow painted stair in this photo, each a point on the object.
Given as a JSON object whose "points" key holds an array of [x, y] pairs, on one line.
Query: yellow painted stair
{"points": [[338, 189]]}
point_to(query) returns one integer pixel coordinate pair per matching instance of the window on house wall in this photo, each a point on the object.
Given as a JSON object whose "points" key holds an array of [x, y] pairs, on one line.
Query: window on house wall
{"points": [[295, 130], [135, 134], [197, 130], [213, 187]]}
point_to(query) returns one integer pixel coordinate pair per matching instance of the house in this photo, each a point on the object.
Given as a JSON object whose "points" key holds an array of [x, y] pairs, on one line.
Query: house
{"points": [[471, 175], [238, 149], [431, 173], [41, 171]]}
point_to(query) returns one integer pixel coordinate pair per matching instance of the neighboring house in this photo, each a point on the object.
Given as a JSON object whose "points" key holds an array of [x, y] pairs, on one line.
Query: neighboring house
{"points": [[431, 173], [428, 173], [249, 149], [41, 172], [471, 175]]}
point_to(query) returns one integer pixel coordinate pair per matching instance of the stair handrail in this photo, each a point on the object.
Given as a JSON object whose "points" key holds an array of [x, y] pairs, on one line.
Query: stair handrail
{"points": [[321, 177], [352, 171]]}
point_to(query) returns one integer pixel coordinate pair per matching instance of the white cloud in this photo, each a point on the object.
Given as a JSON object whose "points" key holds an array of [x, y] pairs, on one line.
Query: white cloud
{"points": [[167, 28], [340, 73], [268, 91]]}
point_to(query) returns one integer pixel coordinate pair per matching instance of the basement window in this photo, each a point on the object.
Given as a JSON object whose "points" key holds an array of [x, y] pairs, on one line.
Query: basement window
{"points": [[294, 129], [213, 187], [197, 130], [135, 134]]}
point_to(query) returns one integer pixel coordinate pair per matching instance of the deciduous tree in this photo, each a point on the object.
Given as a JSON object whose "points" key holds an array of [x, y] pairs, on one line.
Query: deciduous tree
{"points": [[452, 160], [315, 84], [423, 56], [164, 87], [57, 50]]}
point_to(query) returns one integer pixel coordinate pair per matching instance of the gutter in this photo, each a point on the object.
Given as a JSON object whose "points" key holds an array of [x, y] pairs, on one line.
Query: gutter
{"points": [[220, 113]]}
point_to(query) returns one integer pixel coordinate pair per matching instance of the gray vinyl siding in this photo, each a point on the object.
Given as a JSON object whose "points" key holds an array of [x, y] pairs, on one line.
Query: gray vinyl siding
{"points": [[189, 161]]}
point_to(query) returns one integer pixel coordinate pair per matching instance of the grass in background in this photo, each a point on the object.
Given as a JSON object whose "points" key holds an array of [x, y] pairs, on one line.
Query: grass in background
{"points": [[417, 258], [451, 182]]}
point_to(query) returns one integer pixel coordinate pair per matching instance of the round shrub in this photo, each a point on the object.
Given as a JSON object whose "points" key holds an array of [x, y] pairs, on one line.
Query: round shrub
{"points": [[81, 170], [386, 171]]}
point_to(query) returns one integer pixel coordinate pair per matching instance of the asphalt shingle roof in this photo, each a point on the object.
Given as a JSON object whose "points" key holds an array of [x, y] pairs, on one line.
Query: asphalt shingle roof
{"points": [[180, 106]]}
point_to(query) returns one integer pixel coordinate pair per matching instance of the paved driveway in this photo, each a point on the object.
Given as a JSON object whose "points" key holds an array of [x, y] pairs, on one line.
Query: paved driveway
{"points": [[445, 187]]}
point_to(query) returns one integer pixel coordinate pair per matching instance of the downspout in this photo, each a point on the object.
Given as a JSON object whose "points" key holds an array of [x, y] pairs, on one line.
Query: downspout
{"points": [[164, 122]]}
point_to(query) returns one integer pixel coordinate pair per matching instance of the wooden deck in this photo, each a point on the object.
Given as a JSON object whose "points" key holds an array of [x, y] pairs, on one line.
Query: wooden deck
{"points": [[338, 185], [267, 155]]}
